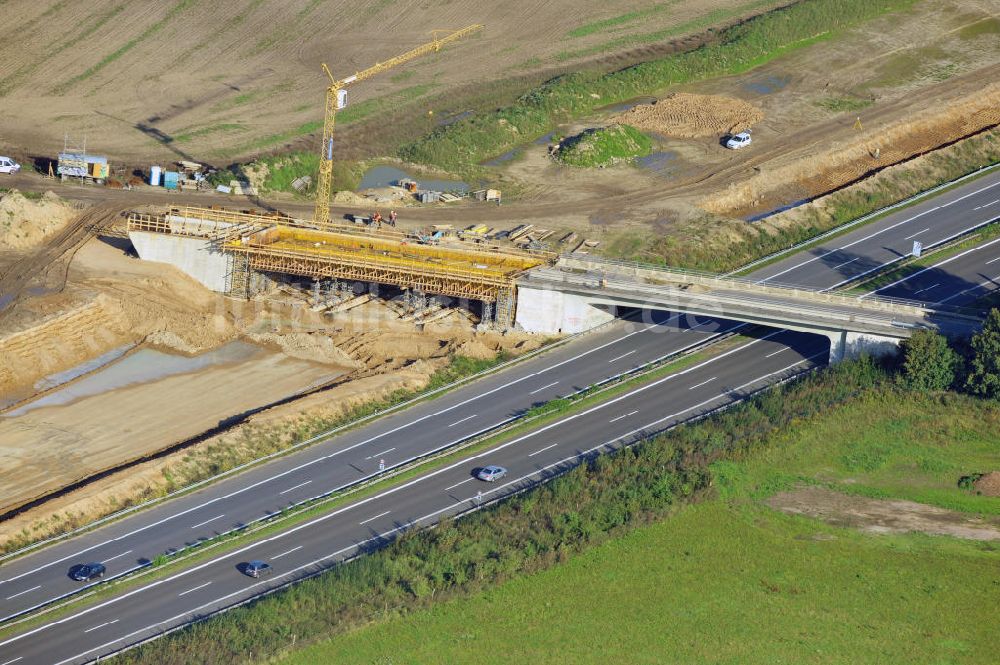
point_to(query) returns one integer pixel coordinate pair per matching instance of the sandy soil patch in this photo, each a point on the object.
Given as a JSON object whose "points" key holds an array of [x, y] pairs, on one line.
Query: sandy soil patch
{"points": [[51, 447], [687, 115], [883, 515], [988, 484], [26, 222]]}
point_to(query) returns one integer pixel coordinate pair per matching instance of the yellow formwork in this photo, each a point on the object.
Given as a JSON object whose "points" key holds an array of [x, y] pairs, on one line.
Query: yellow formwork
{"points": [[453, 271], [397, 251]]}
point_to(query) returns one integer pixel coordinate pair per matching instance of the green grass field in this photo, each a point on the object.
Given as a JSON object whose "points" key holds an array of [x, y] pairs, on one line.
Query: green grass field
{"points": [[732, 581]]}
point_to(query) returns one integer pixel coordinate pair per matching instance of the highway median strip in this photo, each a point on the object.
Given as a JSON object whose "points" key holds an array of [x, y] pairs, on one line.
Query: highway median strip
{"points": [[541, 415]]}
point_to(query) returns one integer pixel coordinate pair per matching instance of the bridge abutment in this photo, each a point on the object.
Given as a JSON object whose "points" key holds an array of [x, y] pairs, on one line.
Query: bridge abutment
{"points": [[549, 311]]}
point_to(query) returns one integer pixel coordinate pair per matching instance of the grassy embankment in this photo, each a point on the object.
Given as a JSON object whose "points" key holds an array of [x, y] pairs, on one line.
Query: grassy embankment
{"points": [[458, 147], [835, 583], [731, 580], [739, 48], [721, 245], [604, 146], [247, 443]]}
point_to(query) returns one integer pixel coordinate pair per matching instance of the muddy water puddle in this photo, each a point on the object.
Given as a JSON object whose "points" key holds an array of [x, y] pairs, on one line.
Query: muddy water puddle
{"points": [[143, 366], [384, 176]]}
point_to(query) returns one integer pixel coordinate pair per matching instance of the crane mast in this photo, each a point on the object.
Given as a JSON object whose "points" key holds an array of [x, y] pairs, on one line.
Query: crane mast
{"points": [[324, 184]]}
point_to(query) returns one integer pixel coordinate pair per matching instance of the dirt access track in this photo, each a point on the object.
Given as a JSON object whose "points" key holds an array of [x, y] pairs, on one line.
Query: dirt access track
{"points": [[222, 80]]}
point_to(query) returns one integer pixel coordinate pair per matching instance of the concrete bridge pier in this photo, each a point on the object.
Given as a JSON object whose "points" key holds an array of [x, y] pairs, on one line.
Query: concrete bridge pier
{"points": [[845, 345]]}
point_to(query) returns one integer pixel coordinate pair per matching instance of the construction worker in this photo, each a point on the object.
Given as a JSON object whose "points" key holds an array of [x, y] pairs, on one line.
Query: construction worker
{"points": [[392, 218], [377, 219]]}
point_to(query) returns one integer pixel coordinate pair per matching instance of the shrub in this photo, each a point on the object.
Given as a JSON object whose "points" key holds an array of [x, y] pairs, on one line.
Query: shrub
{"points": [[928, 362]]}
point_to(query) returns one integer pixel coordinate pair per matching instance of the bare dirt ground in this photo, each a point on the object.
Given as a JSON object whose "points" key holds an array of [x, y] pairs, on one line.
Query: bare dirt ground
{"points": [[205, 79], [684, 115], [109, 299], [883, 515]]}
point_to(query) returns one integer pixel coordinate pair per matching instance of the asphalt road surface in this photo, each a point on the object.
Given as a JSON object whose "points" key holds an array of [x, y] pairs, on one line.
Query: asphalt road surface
{"points": [[347, 458], [354, 455], [890, 239], [152, 607], [958, 280]]}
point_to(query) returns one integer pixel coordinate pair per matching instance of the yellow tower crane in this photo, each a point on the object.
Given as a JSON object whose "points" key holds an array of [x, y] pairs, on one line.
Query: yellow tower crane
{"points": [[336, 99]]}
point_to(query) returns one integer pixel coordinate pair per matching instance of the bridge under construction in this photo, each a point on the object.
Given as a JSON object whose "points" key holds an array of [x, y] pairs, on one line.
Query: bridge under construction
{"points": [[537, 291], [242, 244]]}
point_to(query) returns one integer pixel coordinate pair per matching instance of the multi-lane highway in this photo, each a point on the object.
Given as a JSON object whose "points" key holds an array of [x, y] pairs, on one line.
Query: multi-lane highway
{"points": [[956, 280], [870, 247], [31, 581], [354, 455], [419, 502]]}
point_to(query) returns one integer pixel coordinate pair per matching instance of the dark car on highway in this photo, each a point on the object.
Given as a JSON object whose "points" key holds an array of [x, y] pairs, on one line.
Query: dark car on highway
{"points": [[84, 572], [258, 569], [491, 473]]}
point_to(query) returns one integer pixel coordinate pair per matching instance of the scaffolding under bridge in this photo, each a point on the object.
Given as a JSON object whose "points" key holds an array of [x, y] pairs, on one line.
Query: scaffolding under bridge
{"points": [[259, 243]]}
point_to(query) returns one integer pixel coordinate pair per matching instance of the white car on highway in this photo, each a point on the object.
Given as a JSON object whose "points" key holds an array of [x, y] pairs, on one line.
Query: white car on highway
{"points": [[8, 165], [737, 141]]}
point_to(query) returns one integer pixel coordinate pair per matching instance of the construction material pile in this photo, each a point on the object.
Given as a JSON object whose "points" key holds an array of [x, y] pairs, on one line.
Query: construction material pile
{"points": [[685, 115]]}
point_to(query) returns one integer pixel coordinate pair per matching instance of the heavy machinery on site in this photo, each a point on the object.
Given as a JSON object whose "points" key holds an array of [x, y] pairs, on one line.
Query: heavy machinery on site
{"points": [[336, 99]]}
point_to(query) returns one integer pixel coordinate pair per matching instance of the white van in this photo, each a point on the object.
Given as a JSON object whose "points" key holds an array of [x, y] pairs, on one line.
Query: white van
{"points": [[8, 165]]}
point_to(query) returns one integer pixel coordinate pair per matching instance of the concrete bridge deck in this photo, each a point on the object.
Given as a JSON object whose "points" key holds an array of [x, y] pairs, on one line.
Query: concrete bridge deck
{"points": [[572, 298]]}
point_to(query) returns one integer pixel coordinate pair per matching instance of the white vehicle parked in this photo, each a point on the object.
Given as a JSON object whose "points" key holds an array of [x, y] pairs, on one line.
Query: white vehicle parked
{"points": [[737, 141], [8, 165]]}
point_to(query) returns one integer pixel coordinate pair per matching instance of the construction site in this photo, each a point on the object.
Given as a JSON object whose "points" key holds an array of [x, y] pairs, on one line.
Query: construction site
{"points": [[243, 255], [256, 310]]}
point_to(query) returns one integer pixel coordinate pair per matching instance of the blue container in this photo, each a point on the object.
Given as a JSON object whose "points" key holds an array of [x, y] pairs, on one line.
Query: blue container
{"points": [[154, 176], [171, 179]]}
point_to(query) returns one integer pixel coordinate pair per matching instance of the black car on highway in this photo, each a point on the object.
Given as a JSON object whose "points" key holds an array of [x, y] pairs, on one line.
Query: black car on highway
{"points": [[84, 572]]}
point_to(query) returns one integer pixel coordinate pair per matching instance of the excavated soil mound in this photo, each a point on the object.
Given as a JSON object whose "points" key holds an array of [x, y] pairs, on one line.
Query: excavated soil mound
{"points": [[689, 116], [988, 484], [26, 222]]}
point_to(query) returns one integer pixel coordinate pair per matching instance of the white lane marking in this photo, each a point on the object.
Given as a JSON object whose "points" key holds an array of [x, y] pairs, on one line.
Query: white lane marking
{"points": [[278, 556], [985, 205], [294, 487], [845, 263], [993, 260], [200, 586], [387, 450], [927, 288], [699, 385], [101, 625], [21, 593], [781, 350], [462, 420], [207, 521], [371, 519], [344, 450], [467, 480], [117, 556], [916, 234], [623, 416], [971, 288], [543, 388], [850, 244], [367, 500], [617, 438], [623, 355], [8, 662], [936, 265], [542, 450], [955, 235]]}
